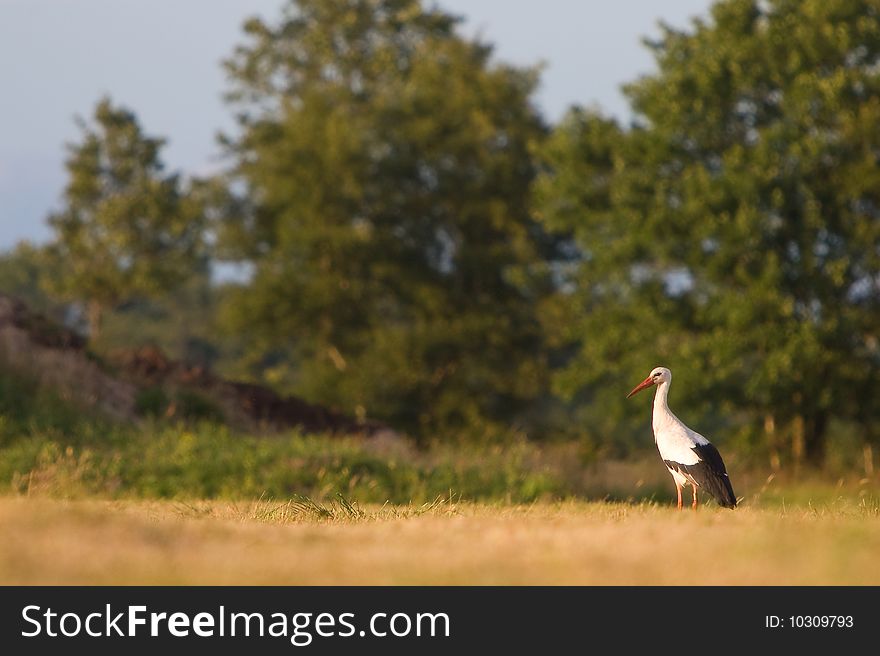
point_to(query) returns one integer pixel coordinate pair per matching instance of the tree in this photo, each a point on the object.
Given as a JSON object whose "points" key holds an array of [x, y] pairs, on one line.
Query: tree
{"points": [[734, 227], [388, 162], [24, 271], [126, 228]]}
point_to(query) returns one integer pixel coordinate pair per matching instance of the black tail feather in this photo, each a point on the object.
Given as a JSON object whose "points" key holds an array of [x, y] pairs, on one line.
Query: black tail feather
{"points": [[709, 474], [723, 493]]}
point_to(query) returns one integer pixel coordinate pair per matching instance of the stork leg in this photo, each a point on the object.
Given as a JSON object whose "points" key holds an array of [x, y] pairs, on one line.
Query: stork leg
{"points": [[678, 489], [694, 506]]}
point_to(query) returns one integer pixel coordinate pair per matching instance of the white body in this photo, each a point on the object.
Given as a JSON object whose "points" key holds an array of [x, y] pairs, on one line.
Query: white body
{"points": [[674, 440]]}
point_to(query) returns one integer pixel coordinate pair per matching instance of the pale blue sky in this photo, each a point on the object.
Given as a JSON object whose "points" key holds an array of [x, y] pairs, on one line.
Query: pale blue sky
{"points": [[161, 58]]}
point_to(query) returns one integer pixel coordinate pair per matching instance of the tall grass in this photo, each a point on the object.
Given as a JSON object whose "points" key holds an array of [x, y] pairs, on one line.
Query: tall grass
{"points": [[208, 461], [49, 448]]}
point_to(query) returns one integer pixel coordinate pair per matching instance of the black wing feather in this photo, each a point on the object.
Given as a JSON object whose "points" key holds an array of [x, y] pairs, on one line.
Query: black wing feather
{"points": [[709, 473]]}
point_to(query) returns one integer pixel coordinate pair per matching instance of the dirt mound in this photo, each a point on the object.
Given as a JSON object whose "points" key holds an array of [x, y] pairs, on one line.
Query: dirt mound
{"points": [[40, 330], [149, 366], [54, 356], [242, 404], [139, 380]]}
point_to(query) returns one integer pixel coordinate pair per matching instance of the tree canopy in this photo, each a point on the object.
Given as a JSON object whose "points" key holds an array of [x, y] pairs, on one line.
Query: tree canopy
{"points": [[127, 228], [387, 163], [734, 226]]}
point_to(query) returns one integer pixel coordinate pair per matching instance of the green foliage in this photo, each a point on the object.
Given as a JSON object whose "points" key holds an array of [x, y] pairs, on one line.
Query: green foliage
{"points": [[209, 462], [387, 165], [181, 323], [181, 404], [24, 273], [48, 446], [26, 407], [151, 402], [193, 406], [731, 232], [206, 461], [127, 228]]}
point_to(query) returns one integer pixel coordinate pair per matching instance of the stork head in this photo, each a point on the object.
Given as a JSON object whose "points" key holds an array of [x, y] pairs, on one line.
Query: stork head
{"points": [[657, 376]]}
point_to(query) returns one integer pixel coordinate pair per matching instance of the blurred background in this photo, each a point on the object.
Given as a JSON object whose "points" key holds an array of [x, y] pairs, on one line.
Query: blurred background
{"points": [[396, 248]]}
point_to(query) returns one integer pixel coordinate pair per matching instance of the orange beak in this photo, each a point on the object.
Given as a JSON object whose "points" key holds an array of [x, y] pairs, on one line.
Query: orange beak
{"points": [[638, 388]]}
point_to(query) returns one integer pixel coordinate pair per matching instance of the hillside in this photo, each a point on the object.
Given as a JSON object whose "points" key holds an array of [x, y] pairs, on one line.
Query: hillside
{"points": [[129, 385]]}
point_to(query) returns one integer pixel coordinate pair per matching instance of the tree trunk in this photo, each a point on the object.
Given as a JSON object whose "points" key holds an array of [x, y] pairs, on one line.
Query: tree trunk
{"points": [[95, 315], [797, 442], [814, 439], [770, 432], [869, 439]]}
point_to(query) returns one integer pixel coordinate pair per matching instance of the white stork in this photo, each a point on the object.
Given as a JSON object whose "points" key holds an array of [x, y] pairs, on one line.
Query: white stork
{"points": [[689, 457]]}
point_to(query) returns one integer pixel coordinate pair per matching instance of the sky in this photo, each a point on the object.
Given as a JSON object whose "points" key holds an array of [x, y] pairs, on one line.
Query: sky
{"points": [[161, 58]]}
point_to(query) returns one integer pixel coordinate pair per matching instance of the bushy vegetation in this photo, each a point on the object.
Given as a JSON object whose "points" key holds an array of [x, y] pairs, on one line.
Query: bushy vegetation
{"points": [[48, 447], [209, 462]]}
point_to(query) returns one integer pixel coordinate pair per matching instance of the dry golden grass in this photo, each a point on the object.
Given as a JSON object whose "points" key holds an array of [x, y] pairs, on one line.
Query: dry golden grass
{"points": [[45, 541]]}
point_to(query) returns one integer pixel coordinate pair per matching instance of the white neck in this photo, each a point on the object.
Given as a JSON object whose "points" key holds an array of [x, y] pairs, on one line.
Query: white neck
{"points": [[662, 414]]}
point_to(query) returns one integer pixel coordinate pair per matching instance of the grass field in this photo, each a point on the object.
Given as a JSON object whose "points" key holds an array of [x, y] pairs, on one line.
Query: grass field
{"points": [[46, 541], [89, 502]]}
